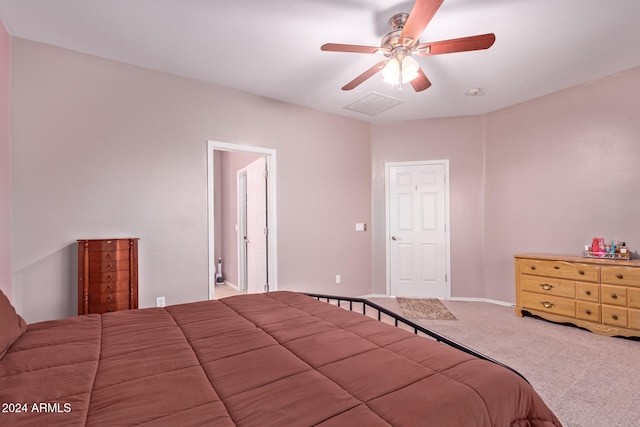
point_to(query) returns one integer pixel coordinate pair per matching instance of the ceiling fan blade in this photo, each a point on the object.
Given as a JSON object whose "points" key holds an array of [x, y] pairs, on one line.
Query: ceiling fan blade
{"points": [[364, 76], [421, 82], [463, 44], [351, 48], [419, 17]]}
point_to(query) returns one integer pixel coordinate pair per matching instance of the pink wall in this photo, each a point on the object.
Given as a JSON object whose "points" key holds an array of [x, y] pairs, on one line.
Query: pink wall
{"points": [[460, 140], [121, 151], [562, 169], [5, 161]]}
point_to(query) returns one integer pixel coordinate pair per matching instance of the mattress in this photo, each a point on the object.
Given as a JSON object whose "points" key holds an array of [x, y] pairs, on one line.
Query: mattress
{"points": [[273, 359]]}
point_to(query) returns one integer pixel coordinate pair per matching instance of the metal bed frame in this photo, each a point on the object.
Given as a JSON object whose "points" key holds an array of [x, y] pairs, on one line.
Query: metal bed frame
{"points": [[397, 319]]}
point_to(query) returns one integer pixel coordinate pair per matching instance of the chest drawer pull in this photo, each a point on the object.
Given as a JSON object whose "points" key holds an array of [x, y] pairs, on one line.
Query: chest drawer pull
{"points": [[587, 312], [546, 286], [547, 304], [620, 276], [581, 272], [587, 292], [555, 267], [614, 316], [533, 267], [614, 296]]}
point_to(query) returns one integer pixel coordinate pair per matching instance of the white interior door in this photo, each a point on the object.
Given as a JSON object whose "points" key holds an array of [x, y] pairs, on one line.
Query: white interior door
{"points": [[417, 214], [256, 220]]}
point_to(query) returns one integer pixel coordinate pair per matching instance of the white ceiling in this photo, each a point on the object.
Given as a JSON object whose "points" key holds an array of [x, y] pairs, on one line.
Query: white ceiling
{"points": [[272, 47]]}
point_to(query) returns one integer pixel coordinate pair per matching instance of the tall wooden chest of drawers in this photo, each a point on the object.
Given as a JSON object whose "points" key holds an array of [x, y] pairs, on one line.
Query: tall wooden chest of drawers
{"points": [[107, 275], [601, 295]]}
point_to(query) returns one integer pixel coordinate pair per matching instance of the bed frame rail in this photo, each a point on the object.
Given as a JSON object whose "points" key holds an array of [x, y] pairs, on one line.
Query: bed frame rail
{"points": [[397, 320]]}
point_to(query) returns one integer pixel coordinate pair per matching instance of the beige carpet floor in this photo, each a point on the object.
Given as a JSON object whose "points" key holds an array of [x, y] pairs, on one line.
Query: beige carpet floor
{"points": [[588, 380]]}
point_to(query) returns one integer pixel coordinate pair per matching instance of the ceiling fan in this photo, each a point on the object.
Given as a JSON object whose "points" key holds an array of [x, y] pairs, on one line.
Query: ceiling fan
{"points": [[399, 45]]}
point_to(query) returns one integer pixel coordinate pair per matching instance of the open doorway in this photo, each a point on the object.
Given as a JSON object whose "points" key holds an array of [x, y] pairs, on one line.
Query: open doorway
{"points": [[228, 236]]}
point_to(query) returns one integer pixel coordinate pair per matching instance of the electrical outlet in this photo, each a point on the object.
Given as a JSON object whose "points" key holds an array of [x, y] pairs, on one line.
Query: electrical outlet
{"points": [[338, 279], [160, 302]]}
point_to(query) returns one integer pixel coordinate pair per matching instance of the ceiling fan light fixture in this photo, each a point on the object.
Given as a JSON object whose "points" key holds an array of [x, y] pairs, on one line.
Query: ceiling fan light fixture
{"points": [[394, 70]]}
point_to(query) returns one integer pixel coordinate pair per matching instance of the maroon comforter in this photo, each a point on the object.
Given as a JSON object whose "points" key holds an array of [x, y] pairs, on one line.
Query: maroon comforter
{"points": [[276, 359]]}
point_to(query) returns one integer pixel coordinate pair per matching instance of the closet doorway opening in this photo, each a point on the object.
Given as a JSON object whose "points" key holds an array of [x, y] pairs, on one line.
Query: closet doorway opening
{"points": [[241, 218]]}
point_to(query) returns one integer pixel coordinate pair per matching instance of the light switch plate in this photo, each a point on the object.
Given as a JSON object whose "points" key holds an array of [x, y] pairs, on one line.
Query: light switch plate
{"points": [[361, 226]]}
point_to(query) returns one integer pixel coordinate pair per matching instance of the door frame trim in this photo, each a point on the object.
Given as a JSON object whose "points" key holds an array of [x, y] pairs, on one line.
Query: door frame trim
{"points": [[272, 223], [447, 215]]}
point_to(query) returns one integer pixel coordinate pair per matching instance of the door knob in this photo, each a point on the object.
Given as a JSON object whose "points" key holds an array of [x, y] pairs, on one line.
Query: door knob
{"points": [[395, 238]]}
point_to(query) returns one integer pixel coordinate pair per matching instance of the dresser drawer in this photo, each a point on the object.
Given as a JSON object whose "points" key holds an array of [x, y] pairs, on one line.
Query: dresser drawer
{"points": [[588, 291], [109, 245], [109, 298], [108, 276], [616, 316], [108, 287], [633, 297], [560, 269], [627, 276], [106, 266], [614, 295], [549, 304], [634, 319], [548, 286], [106, 256], [588, 311], [107, 308]]}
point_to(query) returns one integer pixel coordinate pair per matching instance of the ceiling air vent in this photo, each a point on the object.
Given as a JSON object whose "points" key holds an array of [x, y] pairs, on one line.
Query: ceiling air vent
{"points": [[373, 104]]}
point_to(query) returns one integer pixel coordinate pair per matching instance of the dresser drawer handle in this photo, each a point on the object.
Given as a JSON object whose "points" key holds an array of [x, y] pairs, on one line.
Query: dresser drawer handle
{"points": [[109, 309], [547, 304], [588, 292], [619, 276], [581, 272], [109, 266], [108, 257], [109, 299], [546, 286], [533, 267], [108, 288], [555, 267], [587, 312], [614, 316], [614, 296]]}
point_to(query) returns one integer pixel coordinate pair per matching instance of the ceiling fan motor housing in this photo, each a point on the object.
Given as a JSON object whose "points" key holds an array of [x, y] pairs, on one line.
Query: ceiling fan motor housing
{"points": [[391, 46]]}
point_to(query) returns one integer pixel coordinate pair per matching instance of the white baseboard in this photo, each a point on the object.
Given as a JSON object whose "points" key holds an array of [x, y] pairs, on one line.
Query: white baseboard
{"points": [[374, 296], [233, 285], [488, 300]]}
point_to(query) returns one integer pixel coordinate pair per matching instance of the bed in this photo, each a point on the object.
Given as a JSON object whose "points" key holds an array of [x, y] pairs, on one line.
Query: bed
{"points": [[274, 359]]}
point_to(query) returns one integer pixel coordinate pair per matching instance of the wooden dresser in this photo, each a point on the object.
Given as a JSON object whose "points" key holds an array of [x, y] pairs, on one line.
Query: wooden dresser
{"points": [[107, 275], [600, 295]]}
